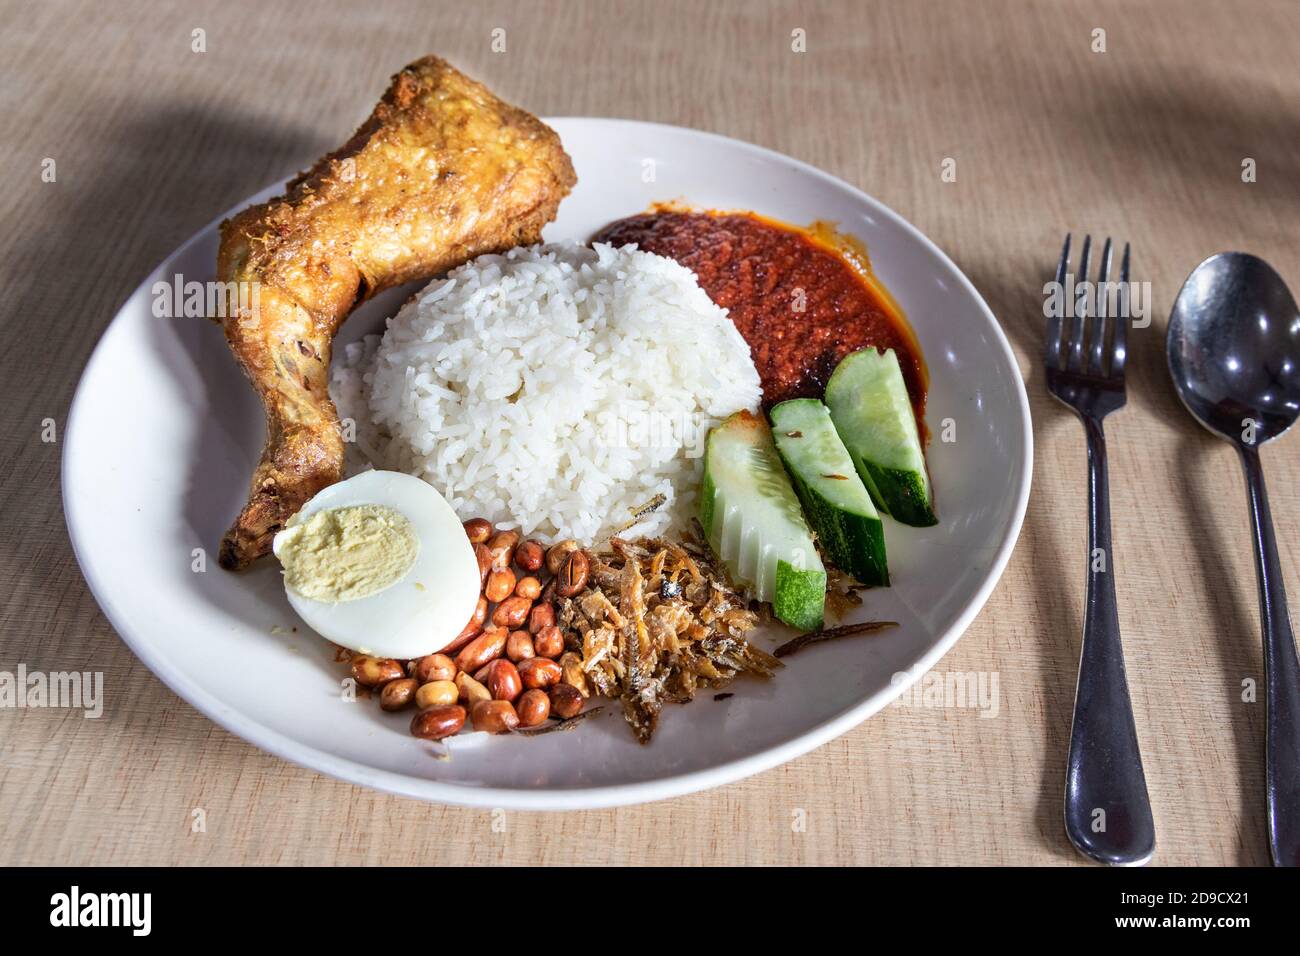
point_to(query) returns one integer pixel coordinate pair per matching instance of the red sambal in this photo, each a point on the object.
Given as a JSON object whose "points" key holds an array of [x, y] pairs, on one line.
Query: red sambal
{"points": [[802, 298]]}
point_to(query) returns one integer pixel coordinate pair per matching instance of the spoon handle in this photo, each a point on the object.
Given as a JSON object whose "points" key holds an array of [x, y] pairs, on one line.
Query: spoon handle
{"points": [[1107, 811], [1281, 676]]}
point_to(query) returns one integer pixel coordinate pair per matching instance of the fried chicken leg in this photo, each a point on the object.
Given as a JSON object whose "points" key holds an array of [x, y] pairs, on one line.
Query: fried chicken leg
{"points": [[442, 171]]}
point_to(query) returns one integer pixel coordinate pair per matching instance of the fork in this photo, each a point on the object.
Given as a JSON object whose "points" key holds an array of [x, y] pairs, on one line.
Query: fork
{"points": [[1107, 811]]}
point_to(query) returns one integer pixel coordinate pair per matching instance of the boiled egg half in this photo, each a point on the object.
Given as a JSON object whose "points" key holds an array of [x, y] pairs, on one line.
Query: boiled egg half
{"points": [[380, 564]]}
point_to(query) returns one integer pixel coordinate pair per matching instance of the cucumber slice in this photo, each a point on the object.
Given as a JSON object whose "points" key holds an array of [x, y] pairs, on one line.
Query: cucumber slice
{"points": [[752, 519], [873, 414], [835, 501]]}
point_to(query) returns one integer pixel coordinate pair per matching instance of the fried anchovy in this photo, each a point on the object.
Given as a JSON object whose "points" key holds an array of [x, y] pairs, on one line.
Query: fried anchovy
{"points": [[640, 511], [641, 706], [656, 624]]}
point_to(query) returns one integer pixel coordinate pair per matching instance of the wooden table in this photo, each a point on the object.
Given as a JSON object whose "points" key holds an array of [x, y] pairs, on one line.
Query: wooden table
{"points": [[1145, 141]]}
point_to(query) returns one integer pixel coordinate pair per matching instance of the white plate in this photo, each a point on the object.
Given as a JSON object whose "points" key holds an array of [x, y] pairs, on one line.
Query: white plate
{"points": [[164, 432]]}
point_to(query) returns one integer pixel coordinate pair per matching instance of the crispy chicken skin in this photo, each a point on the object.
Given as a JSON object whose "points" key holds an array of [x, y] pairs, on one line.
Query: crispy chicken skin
{"points": [[441, 172]]}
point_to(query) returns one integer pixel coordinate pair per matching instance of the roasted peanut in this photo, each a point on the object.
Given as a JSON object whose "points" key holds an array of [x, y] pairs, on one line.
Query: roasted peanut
{"points": [[503, 681], [459, 642], [539, 672], [471, 691], [502, 546], [549, 642], [398, 693], [566, 700], [482, 649], [484, 558], [529, 587], [511, 613], [495, 716], [438, 722], [558, 553], [530, 555], [573, 674], [519, 646], [438, 693], [573, 575], [478, 530], [533, 708], [542, 615], [471, 630], [433, 667], [376, 671], [500, 585]]}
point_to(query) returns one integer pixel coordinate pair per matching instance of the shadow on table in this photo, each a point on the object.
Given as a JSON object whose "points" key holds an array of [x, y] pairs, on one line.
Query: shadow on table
{"points": [[1210, 513], [1196, 135]]}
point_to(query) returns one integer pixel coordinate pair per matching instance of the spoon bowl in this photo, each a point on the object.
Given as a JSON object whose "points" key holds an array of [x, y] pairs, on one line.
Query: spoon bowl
{"points": [[1234, 348]]}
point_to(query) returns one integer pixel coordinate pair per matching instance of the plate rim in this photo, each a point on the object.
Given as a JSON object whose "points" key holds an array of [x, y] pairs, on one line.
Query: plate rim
{"points": [[659, 788]]}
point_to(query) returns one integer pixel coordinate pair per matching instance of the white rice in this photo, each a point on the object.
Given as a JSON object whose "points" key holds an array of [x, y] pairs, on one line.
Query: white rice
{"points": [[554, 389]]}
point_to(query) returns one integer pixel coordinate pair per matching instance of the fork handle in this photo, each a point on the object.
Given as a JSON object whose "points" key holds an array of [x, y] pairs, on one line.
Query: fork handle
{"points": [[1107, 811], [1281, 676]]}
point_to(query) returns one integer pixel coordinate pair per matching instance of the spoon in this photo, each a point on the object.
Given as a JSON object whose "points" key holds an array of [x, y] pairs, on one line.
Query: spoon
{"points": [[1234, 353]]}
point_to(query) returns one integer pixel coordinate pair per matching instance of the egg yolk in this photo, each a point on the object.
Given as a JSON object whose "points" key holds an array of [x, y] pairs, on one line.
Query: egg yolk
{"points": [[345, 554]]}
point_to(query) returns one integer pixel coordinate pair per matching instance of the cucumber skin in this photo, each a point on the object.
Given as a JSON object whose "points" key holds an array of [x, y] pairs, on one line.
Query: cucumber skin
{"points": [[800, 596], [854, 542], [708, 496], [897, 493]]}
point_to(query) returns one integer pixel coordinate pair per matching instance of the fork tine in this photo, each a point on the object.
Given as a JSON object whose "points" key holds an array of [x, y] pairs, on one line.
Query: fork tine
{"points": [[1054, 321], [1097, 324], [1075, 357], [1119, 341]]}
